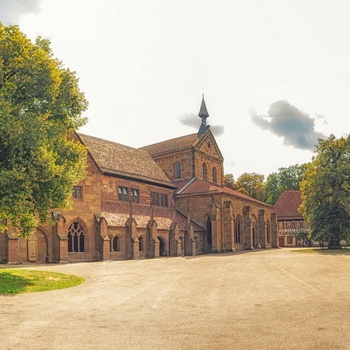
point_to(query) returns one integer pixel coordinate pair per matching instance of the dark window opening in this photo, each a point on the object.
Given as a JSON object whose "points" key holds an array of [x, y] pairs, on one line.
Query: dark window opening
{"points": [[159, 199], [77, 191], [126, 194], [116, 244], [205, 171], [178, 170]]}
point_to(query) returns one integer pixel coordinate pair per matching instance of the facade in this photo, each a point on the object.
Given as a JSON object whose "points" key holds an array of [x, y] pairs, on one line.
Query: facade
{"points": [[165, 199], [291, 225]]}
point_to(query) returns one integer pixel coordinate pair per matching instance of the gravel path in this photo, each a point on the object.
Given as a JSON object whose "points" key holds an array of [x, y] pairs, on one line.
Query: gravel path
{"points": [[271, 299]]}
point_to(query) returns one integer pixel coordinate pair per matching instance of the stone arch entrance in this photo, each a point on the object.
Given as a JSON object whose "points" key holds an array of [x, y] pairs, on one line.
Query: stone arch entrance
{"points": [[37, 247], [162, 247]]}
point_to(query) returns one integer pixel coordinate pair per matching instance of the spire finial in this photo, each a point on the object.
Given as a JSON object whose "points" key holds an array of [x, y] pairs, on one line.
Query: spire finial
{"points": [[203, 114]]}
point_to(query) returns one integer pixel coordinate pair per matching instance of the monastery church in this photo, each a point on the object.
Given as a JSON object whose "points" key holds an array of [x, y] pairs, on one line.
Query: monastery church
{"points": [[165, 199]]}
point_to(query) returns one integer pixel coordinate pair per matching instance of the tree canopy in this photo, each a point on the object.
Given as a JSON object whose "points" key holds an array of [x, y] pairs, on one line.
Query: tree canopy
{"points": [[284, 180], [251, 184], [325, 191], [40, 108]]}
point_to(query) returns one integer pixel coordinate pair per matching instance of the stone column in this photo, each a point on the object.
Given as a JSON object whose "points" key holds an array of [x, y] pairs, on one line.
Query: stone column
{"points": [[229, 227], [247, 229], [274, 238], [262, 229]]}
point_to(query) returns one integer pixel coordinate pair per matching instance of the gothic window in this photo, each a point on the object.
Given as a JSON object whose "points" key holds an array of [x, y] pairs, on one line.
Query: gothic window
{"points": [[214, 175], [205, 171], [116, 244], [76, 238], [177, 170]]}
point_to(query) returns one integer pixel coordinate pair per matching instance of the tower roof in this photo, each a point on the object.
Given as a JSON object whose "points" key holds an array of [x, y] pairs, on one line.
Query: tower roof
{"points": [[203, 113]]}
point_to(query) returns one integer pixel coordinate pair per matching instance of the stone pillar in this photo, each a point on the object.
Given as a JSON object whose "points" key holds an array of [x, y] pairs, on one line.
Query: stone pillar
{"points": [[216, 228], [247, 229], [178, 247], [229, 227], [136, 248], [105, 240], [156, 247], [130, 238], [173, 239], [274, 238], [152, 240], [194, 246], [262, 229], [60, 239]]}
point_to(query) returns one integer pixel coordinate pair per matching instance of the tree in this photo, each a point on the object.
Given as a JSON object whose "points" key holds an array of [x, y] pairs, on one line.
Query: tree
{"points": [[325, 191], [286, 179], [40, 109], [251, 184], [229, 181]]}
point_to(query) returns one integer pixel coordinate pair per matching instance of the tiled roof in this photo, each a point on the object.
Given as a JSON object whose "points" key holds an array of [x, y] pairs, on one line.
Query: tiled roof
{"points": [[198, 186], [287, 205], [163, 222], [177, 144], [117, 159]]}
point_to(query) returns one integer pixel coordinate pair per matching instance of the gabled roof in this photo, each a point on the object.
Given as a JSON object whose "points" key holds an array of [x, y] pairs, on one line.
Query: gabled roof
{"points": [[287, 205], [172, 145], [199, 187], [116, 159], [180, 144]]}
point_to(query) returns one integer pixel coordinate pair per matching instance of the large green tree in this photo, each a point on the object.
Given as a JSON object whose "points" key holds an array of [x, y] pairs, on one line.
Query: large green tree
{"points": [[40, 108], [284, 180], [251, 184], [325, 191]]}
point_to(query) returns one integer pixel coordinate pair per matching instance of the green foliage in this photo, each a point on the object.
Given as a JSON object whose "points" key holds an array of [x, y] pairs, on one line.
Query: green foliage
{"points": [[268, 191], [229, 181], [40, 108], [286, 179], [325, 191], [15, 281], [251, 184]]}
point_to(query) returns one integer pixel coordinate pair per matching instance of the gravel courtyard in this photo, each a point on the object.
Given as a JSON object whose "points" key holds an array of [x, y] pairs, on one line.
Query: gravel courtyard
{"points": [[271, 299]]}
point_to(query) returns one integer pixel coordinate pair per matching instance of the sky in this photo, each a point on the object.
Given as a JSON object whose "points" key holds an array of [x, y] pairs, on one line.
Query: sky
{"points": [[275, 74]]}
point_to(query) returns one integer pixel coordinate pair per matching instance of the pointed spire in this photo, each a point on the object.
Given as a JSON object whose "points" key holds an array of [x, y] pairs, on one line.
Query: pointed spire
{"points": [[203, 114]]}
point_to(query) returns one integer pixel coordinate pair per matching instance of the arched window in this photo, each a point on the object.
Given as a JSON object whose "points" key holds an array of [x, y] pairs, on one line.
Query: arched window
{"points": [[205, 171], [177, 170], [76, 240], [238, 232], [141, 244], [214, 175], [116, 244]]}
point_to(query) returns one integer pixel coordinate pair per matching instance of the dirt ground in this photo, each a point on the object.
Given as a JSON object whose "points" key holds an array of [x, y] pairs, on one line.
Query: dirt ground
{"points": [[271, 299]]}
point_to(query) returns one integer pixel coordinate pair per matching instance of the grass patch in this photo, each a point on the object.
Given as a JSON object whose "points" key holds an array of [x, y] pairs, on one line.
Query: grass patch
{"points": [[15, 281], [344, 251]]}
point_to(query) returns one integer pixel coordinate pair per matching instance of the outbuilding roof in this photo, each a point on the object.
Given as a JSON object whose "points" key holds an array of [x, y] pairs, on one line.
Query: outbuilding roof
{"points": [[287, 205]]}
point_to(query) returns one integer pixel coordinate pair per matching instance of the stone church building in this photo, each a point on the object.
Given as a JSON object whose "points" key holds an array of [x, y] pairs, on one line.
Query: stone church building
{"points": [[165, 199]]}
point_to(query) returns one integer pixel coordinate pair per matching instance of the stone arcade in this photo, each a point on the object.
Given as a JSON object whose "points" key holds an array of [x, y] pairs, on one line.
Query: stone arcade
{"points": [[165, 199]]}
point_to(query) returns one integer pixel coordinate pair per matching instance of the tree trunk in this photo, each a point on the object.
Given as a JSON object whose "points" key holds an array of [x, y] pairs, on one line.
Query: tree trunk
{"points": [[334, 244]]}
